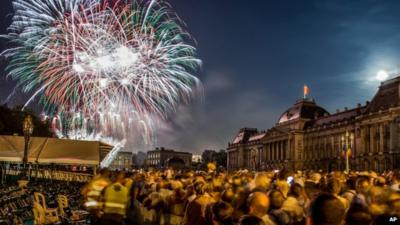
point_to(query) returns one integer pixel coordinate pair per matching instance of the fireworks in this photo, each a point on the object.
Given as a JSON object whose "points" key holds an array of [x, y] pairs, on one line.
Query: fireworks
{"points": [[107, 64]]}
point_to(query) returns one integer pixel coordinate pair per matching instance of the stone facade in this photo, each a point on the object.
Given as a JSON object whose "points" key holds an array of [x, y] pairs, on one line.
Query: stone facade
{"points": [[122, 161], [161, 158], [307, 137]]}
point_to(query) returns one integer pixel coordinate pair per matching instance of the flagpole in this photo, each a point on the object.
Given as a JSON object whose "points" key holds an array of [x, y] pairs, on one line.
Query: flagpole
{"points": [[347, 152], [305, 91], [347, 161]]}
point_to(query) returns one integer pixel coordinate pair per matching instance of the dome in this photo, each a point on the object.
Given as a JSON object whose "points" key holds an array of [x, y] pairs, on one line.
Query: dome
{"points": [[305, 109]]}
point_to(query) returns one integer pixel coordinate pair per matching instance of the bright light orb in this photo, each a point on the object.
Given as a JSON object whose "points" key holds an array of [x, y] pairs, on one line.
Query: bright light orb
{"points": [[78, 68], [382, 75], [103, 82], [125, 81]]}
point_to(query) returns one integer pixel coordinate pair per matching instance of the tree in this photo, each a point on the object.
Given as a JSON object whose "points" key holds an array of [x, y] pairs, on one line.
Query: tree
{"points": [[11, 122], [208, 156], [219, 158]]}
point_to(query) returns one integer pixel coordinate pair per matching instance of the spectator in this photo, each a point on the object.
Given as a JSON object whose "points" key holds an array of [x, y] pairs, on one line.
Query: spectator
{"points": [[294, 203], [222, 214], [251, 220], [326, 209], [360, 200], [258, 205], [279, 216], [358, 218], [115, 202], [333, 187]]}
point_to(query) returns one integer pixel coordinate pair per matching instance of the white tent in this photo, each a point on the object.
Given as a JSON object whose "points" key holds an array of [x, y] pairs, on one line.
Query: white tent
{"points": [[53, 150]]}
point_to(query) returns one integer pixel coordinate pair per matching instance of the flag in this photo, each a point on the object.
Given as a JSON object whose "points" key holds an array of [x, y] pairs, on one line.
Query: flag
{"points": [[344, 152], [306, 91]]}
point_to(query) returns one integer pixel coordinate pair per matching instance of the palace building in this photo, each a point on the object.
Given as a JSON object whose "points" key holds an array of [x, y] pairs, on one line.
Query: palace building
{"points": [[306, 136], [162, 158]]}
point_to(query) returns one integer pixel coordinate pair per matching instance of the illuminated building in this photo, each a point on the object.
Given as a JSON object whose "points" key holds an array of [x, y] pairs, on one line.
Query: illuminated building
{"points": [[306, 136]]}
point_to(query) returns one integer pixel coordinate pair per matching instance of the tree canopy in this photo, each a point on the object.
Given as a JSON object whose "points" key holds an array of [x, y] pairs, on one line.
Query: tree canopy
{"points": [[11, 120]]}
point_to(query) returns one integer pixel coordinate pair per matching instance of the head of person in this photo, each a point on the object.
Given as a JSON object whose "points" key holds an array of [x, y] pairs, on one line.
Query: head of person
{"points": [[333, 186], [312, 189], [222, 212], [378, 199], [358, 217], [251, 220], [363, 185], [326, 209], [228, 195], [262, 181], [276, 199], [351, 183], [217, 184], [283, 186], [396, 177], [236, 181], [120, 177], [316, 177], [199, 187], [258, 204], [296, 190]]}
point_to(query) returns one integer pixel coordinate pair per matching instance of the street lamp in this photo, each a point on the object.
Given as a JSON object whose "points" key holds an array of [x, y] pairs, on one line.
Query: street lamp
{"points": [[27, 127], [347, 145]]}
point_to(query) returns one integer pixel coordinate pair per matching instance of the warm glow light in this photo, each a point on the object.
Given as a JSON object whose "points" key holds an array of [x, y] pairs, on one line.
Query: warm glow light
{"points": [[382, 75], [78, 68], [125, 81], [103, 82]]}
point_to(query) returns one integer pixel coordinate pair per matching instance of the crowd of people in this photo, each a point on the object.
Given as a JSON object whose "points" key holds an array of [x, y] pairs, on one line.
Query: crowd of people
{"points": [[218, 197]]}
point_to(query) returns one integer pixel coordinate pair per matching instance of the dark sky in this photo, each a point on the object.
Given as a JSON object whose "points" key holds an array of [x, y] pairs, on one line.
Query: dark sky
{"points": [[258, 54]]}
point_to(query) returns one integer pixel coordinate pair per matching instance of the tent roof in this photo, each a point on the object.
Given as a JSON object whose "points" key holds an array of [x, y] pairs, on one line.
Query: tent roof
{"points": [[53, 150]]}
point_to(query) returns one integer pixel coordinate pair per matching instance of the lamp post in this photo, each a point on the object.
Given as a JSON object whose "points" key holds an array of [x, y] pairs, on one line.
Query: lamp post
{"points": [[347, 152], [27, 127], [347, 141]]}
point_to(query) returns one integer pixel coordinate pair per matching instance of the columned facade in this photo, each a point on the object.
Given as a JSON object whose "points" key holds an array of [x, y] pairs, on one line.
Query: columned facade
{"points": [[308, 137]]}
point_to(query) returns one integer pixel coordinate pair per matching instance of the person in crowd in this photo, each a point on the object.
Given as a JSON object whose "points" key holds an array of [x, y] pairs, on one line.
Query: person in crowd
{"points": [[258, 205], [279, 216], [358, 217], [327, 209], [395, 178], [195, 211], [333, 186], [261, 182], [92, 192], [116, 198], [281, 183], [349, 189], [244, 197], [251, 220], [362, 188], [295, 202], [220, 213]]}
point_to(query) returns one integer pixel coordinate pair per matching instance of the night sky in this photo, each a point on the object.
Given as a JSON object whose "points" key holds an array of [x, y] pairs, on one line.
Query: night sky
{"points": [[258, 54]]}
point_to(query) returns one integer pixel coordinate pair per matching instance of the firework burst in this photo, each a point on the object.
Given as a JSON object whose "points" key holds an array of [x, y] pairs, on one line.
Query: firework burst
{"points": [[113, 63]]}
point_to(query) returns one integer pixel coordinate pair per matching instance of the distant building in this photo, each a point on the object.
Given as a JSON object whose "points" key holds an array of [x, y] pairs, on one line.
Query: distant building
{"points": [[196, 158], [306, 136], [122, 161], [139, 159], [163, 158]]}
